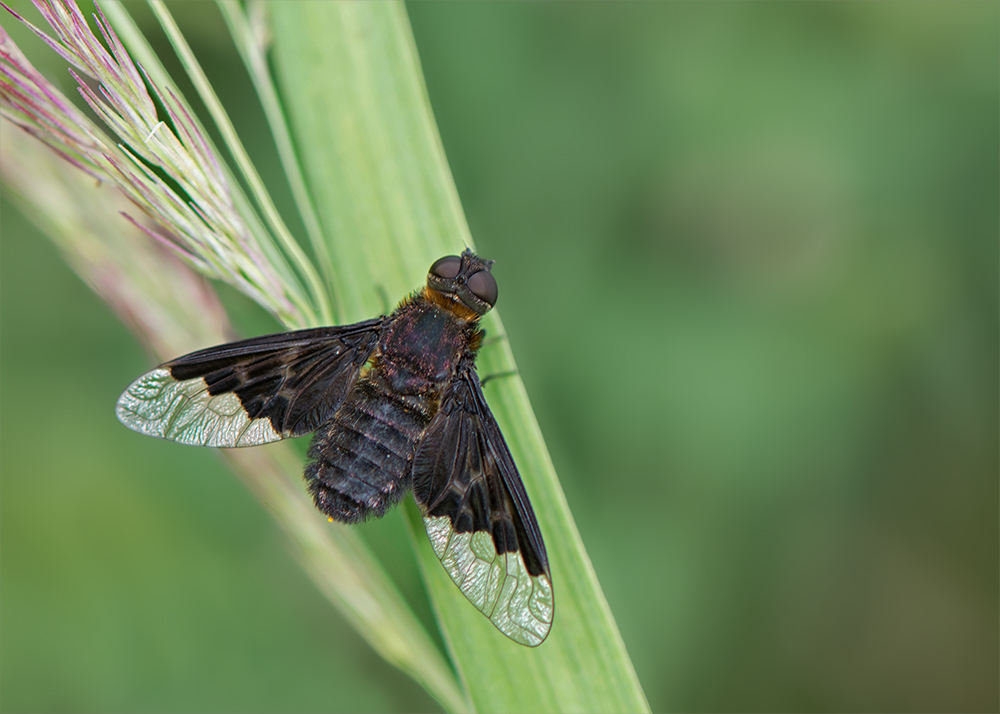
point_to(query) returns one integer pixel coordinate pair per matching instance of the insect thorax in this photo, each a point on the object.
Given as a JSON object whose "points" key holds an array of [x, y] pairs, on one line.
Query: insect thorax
{"points": [[423, 345]]}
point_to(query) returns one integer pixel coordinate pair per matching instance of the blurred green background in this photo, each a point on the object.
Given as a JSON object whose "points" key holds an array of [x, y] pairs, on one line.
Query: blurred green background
{"points": [[748, 263]]}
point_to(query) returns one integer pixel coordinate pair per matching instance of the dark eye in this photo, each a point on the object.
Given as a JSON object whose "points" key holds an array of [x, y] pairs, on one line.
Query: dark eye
{"points": [[483, 286], [446, 267]]}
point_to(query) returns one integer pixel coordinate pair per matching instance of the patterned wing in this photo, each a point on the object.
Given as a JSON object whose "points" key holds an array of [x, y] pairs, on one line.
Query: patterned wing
{"points": [[251, 392], [478, 517]]}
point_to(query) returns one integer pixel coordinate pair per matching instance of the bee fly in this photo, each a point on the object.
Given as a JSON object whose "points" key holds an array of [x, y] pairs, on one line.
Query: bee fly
{"points": [[395, 402]]}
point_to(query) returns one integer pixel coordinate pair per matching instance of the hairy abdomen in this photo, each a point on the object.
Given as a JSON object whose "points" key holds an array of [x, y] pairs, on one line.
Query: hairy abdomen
{"points": [[364, 455]]}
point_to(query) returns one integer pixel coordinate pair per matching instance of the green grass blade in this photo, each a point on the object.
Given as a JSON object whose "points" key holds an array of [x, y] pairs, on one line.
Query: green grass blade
{"points": [[354, 94], [239, 154], [248, 43]]}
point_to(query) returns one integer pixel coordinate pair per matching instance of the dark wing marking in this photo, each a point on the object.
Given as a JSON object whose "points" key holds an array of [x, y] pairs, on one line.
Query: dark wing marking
{"points": [[478, 517], [251, 392]]}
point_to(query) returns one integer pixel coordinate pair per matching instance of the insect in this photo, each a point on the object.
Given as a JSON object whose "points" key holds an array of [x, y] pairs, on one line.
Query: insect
{"points": [[395, 402]]}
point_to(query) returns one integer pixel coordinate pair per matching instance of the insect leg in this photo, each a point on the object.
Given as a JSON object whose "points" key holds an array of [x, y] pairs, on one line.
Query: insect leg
{"points": [[487, 378], [494, 339]]}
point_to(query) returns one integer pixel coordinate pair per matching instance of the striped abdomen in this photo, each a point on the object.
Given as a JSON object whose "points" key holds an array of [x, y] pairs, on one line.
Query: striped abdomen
{"points": [[363, 456]]}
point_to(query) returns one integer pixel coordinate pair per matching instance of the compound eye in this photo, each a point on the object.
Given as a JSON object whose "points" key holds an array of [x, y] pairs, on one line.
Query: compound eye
{"points": [[447, 267], [484, 286]]}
